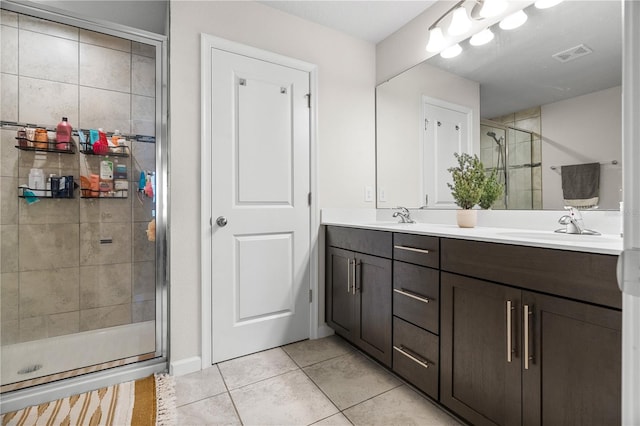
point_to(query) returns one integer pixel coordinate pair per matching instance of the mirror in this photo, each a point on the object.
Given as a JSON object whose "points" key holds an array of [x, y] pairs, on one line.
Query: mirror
{"points": [[524, 112]]}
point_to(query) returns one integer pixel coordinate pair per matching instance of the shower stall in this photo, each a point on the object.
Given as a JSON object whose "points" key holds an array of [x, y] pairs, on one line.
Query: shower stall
{"points": [[514, 155], [83, 253]]}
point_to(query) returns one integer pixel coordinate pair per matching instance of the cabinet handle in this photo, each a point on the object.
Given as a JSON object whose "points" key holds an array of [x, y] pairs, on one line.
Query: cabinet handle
{"points": [[348, 276], [355, 277], [417, 250], [411, 295], [527, 357], [509, 330], [414, 358]]}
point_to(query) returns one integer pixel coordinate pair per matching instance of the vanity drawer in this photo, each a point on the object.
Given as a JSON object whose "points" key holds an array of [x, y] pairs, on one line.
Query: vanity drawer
{"points": [[416, 294], [419, 249], [415, 356], [376, 243]]}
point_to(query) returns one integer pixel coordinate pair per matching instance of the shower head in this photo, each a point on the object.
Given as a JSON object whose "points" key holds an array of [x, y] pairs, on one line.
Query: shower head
{"points": [[493, 135]]}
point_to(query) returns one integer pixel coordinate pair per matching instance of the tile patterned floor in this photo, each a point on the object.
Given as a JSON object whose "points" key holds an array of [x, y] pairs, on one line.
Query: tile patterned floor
{"points": [[313, 382]]}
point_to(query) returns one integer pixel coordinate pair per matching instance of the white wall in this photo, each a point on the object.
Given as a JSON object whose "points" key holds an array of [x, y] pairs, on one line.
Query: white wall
{"points": [[584, 129], [399, 127], [346, 136]]}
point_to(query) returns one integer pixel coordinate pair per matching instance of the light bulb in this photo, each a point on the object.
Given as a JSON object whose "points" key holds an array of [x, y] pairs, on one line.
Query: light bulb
{"points": [[492, 8], [436, 40], [545, 4], [483, 37], [451, 52], [460, 22], [514, 20]]}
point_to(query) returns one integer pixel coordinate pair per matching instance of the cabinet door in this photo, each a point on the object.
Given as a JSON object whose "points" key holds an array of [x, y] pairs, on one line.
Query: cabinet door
{"points": [[373, 306], [339, 288], [574, 374], [480, 361]]}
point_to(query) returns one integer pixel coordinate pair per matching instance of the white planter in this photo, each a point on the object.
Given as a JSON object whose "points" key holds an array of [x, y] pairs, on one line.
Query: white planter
{"points": [[467, 218]]}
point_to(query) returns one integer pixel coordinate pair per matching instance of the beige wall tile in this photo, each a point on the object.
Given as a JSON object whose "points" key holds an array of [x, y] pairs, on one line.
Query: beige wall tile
{"points": [[9, 296], [143, 206], [8, 153], [143, 49], [9, 201], [49, 292], [105, 211], [530, 124], [61, 324], [143, 249], [9, 259], [94, 253], [8, 18], [527, 113], [536, 179], [46, 102], [9, 332], [47, 27], [105, 68], [34, 328], [144, 311], [36, 52], [9, 49], [105, 285], [49, 162], [93, 319], [145, 155], [49, 211], [104, 40], [9, 93], [105, 109], [143, 115], [144, 281], [48, 246], [143, 76]]}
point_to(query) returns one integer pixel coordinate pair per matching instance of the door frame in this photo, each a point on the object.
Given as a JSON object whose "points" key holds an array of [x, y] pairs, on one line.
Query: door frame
{"points": [[467, 111], [208, 42]]}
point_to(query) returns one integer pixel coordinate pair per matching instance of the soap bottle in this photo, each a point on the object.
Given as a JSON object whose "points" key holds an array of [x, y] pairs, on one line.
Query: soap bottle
{"points": [[36, 182], [63, 134]]}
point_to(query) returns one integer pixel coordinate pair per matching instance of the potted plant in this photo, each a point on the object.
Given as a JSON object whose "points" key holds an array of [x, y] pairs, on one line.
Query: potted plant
{"points": [[467, 188], [491, 192]]}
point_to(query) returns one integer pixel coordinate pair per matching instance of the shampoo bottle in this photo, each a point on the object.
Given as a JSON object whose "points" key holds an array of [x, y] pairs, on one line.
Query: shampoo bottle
{"points": [[63, 134]]}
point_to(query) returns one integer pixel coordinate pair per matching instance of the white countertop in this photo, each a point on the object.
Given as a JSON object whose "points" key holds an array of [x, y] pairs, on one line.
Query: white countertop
{"points": [[603, 244]]}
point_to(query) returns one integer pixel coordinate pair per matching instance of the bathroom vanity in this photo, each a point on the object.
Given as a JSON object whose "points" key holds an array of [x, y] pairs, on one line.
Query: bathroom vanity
{"points": [[499, 327]]}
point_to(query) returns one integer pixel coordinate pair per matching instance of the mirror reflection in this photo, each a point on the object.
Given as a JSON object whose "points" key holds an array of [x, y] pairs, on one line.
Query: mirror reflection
{"points": [[534, 99]]}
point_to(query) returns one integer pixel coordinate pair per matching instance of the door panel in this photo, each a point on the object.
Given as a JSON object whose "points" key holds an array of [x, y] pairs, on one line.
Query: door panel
{"points": [[373, 306], [260, 184], [574, 375], [477, 380], [340, 303]]}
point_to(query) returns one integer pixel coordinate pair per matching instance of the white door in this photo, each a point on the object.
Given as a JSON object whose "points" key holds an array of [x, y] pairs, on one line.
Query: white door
{"points": [[260, 187], [446, 130]]}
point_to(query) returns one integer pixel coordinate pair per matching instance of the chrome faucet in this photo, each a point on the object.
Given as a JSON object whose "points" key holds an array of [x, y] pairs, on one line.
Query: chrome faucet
{"points": [[574, 224], [404, 214]]}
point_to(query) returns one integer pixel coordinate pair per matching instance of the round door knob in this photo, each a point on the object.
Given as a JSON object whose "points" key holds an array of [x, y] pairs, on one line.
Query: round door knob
{"points": [[221, 221]]}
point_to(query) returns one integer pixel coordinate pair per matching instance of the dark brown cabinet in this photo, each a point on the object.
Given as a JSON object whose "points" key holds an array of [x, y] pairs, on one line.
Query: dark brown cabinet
{"points": [[512, 356], [358, 300]]}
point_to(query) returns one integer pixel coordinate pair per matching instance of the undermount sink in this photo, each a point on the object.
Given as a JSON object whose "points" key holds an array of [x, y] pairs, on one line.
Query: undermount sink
{"points": [[556, 236]]}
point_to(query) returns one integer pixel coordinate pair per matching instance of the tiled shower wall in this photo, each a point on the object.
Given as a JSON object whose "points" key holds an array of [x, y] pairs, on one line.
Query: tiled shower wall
{"points": [[56, 276]]}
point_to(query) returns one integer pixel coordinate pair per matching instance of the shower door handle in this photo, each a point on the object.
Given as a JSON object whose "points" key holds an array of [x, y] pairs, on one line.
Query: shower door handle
{"points": [[221, 221]]}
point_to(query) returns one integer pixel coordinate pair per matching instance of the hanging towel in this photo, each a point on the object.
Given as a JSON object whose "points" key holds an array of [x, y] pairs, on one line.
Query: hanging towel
{"points": [[581, 185]]}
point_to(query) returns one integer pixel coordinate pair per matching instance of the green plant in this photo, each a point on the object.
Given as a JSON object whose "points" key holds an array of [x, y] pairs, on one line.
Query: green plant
{"points": [[491, 192], [468, 180]]}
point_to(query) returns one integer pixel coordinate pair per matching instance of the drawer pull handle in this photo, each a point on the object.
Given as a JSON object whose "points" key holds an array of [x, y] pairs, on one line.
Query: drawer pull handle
{"points": [[417, 250], [411, 295], [414, 358], [527, 355]]}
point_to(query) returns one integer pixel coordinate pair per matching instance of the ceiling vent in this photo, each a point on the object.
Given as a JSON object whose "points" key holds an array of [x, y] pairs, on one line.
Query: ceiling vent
{"points": [[573, 53]]}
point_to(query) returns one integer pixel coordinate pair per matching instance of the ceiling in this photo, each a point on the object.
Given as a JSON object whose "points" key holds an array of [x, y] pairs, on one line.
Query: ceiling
{"points": [[372, 21]]}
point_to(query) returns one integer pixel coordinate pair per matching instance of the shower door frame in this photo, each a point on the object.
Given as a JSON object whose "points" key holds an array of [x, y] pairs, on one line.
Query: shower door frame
{"points": [[15, 400]]}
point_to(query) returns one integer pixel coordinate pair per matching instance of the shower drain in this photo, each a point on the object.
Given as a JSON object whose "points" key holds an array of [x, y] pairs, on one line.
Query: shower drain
{"points": [[30, 369]]}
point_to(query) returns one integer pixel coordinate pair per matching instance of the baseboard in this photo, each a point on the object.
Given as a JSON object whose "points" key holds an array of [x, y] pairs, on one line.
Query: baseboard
{"points": [[185, 366]]}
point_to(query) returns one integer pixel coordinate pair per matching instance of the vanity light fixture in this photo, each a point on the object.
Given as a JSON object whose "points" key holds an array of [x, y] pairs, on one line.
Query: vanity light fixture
{"points": [[436, 40], [483, 37], [545, 4], [460, 22], [491, 8], [451, 52], [514, 20]]}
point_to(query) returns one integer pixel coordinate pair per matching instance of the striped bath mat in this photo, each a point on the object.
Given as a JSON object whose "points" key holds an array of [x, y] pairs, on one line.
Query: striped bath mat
{"points": [[148, 401]]}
